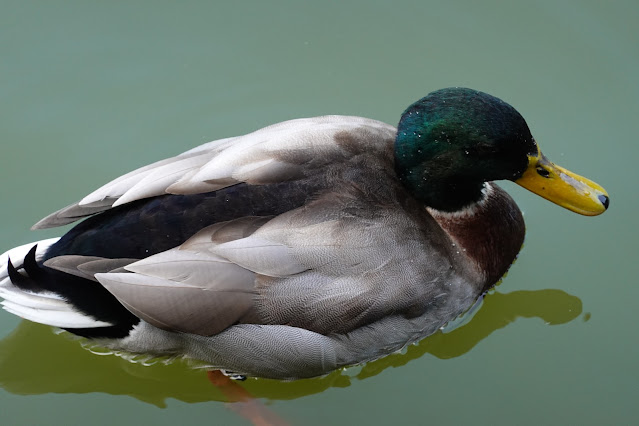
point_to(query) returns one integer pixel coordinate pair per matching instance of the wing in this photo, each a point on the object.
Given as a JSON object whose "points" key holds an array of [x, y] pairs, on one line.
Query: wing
{"points": [[280, 152], [330, 266]]}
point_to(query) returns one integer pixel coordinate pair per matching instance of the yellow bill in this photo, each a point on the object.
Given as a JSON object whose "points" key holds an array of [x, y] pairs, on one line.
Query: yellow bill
{"points": [[563, 187]]}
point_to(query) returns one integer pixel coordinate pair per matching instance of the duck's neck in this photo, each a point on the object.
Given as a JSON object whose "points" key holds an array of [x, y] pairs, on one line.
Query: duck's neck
{"points": [[451, 196], [433, 181], [490, 232]]}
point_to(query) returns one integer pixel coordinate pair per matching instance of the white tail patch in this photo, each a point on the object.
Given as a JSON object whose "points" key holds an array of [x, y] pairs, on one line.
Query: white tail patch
{"points": [[17, 254]]}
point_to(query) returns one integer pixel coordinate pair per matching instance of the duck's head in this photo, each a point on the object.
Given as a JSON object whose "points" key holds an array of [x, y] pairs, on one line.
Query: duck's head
{"points": [[452, 141]]}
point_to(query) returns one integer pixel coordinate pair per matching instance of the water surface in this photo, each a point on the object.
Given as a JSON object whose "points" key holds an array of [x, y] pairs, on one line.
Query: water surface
{"points": [[92, 90]]}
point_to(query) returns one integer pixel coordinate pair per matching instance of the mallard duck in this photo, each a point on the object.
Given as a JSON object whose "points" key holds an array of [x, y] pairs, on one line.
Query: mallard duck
{"points": [[300, 248]]}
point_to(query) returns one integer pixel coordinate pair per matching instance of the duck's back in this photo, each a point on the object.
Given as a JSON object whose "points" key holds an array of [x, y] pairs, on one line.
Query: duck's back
{"points": [[265, 173], [156, 208]]}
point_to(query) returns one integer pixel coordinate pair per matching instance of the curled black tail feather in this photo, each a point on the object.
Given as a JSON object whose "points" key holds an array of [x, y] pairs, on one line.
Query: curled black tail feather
{"points": [[31, 280], [23, 282], [31, 266]]}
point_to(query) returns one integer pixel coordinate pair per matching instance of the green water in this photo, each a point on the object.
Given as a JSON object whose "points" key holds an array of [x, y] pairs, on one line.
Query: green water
{"points": [[90, 90]]}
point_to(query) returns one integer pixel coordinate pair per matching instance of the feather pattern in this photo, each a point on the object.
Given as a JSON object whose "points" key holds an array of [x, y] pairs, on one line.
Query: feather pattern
{"points": [[311, 268]]}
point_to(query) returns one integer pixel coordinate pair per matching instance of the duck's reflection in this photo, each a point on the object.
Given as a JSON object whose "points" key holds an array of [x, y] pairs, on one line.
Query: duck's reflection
{"points": [[34, 360]]}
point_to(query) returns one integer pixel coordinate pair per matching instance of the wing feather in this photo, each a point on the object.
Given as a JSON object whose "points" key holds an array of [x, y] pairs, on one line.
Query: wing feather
{"points": [[177, 306], [280, 152], [191, 288]]}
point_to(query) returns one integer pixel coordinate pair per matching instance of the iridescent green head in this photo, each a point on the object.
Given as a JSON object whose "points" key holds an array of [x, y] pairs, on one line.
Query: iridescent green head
{"points": [[453, 140]]}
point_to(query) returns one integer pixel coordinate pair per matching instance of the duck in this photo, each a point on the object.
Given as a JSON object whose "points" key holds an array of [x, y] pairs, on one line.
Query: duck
{"points": [[300, 248]]}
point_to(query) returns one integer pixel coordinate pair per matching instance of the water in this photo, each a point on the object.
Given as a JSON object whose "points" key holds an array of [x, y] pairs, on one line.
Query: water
{"points": [[90, 91]]}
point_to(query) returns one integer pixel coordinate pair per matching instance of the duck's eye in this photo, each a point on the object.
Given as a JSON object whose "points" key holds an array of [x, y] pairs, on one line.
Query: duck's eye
{"points": [[543, 172]]}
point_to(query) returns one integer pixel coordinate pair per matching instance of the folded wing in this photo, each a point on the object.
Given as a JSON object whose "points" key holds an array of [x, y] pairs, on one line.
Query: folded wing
{"points": [[280, 152]]}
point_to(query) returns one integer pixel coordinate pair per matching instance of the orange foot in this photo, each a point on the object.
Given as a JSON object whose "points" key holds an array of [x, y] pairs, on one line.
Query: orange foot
{"points": [[242, 402]]}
